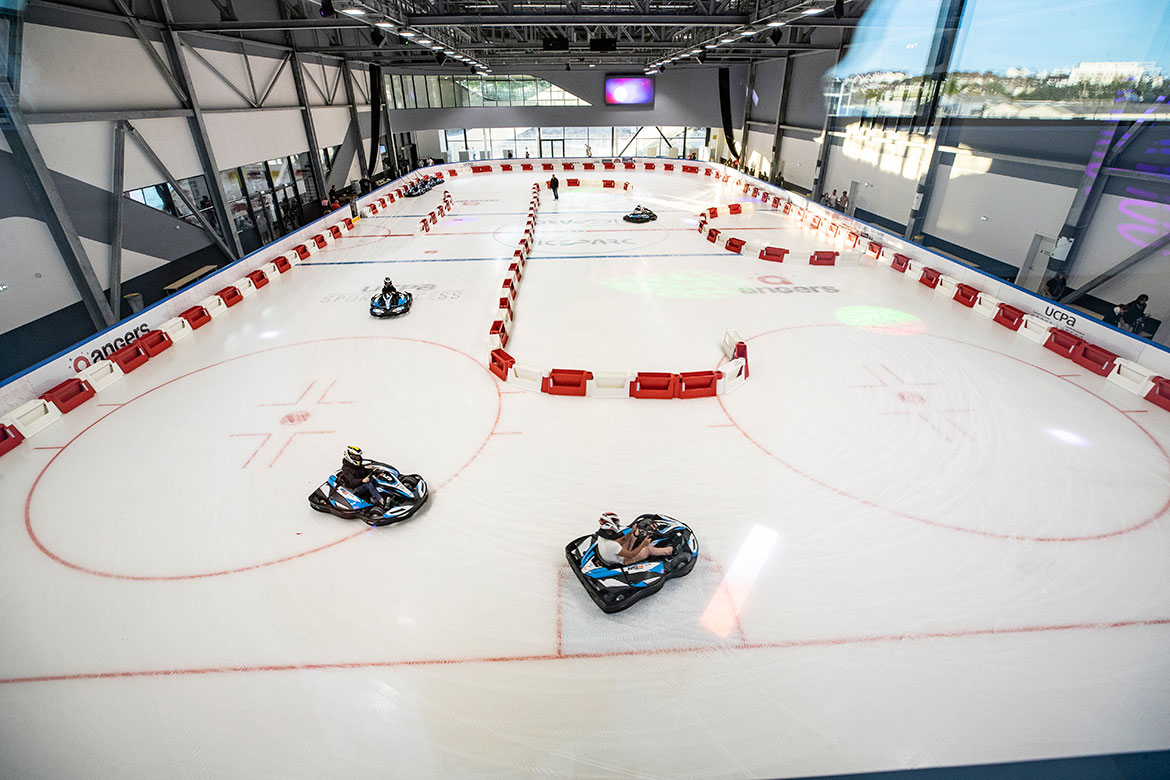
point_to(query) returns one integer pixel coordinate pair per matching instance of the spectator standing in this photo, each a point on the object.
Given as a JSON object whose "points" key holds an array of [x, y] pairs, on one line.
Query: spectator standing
{"points": [[1055, 287], [553, 184], [1135, 313], [843, 201]]}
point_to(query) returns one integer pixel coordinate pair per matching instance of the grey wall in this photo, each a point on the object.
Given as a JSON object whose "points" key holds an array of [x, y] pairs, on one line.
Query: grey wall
{"points": [[684, 96]]}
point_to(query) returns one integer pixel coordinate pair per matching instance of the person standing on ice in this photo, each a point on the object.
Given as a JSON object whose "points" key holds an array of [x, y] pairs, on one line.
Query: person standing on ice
{"points": [[553, 183]]}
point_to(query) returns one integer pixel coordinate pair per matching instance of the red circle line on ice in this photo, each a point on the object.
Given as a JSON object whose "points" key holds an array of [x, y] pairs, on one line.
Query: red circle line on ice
{"points": [[938, 523], [28, 525]]}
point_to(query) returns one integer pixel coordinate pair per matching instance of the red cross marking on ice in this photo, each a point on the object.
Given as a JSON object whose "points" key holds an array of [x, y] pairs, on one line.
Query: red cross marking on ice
{"points": [[939, 420]]}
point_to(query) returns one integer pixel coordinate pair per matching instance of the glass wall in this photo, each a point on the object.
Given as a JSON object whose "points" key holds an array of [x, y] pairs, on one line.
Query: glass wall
{"points": [[418, 91], [505, 142]]}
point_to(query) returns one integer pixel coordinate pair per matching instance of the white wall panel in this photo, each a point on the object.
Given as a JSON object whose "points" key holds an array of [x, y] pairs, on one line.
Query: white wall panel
{"points": [[64, 70], [887, 168], [30, 265], [1120, 227], [800, 160], [1016, 209], [171, 141], [210, 88], [83, 150], [251, 136], [331, 124]]}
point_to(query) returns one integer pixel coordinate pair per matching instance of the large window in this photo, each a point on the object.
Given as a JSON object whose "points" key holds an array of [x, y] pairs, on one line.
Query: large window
{"points": [[516, 142], [414, 91]]}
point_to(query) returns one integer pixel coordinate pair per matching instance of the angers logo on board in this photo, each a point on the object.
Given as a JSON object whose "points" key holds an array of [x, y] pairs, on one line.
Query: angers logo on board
{"points": [[93, 354]]}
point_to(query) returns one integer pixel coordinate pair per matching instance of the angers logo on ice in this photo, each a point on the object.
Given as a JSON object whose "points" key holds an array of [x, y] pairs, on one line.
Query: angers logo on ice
{"points": [[781, 284]]}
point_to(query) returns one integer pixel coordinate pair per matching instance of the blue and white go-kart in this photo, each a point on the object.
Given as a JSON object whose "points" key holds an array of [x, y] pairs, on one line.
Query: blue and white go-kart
{"points": [[391, 305], [407, 493], [614, 588]]}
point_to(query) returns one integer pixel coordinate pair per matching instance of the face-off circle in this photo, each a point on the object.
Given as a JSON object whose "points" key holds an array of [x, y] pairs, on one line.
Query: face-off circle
{"points": [[216, 465], [915, 427]]}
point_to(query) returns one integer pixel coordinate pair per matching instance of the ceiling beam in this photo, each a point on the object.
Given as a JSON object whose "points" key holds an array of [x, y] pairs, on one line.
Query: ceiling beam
{"points": [[539, 20]]}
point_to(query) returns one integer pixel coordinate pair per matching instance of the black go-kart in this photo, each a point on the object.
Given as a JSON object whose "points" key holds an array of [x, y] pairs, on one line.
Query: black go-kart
{"points": [[614, 587], [391, 305], [406, 493], [422, 186], [640, 215]]}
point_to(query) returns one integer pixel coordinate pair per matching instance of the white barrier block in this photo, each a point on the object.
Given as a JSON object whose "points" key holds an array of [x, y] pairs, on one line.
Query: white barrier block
{"points": [[102, 374], [1133, 377], [730, 339], [294, 258], [33, 417], [527, 375], [1034, 329], [734, 375], [271, 271], [609, 384], [947, 285], [214, 305], [245, 286], [177, 328], [987, 305]]}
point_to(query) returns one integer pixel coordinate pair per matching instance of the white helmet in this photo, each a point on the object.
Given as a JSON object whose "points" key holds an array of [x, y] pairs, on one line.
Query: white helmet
{"points": [[609, 523]]}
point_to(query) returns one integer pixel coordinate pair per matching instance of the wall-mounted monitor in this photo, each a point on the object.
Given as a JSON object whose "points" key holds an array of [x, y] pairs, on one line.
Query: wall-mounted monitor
{"points": [[629, 91]]}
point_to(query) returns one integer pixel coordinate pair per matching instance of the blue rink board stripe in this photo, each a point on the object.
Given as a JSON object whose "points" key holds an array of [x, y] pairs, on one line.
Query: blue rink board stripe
{"points": [[488, 259]]}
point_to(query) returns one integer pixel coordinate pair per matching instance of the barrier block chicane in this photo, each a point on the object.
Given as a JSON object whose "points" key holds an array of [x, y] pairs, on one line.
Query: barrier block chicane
{"points": [[130, 357], [1009, 316], [230, 296], [900, 262], [653, 384], [196, 317], [929, 277], [258, 277], [966, 295], [1097, 359], [698, 384], [282, 264], [823, 258], [563, 381], [155, 342], [10, 438], [69, 395], [1159, 392], [1062, 342], [500, 363]]}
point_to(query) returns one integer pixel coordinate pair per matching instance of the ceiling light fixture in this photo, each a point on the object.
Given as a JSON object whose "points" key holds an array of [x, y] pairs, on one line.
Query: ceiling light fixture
{"points": [[728, 40], [711, 46], [384, 25], [407, 33], [354, 11], [746, 33], [812, 11]]}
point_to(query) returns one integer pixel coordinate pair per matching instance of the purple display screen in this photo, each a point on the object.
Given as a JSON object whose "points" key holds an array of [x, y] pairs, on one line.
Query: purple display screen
{"points": [[629, 91]]}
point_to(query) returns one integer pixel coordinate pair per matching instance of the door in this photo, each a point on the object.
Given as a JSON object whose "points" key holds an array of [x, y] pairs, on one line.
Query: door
{"points": [[552, 147], [1035, 265]]}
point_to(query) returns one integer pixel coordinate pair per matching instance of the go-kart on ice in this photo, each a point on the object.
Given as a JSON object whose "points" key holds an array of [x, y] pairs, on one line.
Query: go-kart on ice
{"points": [[615, 585], [391, 302], [640, 215], [422, 186], [400, 495]]}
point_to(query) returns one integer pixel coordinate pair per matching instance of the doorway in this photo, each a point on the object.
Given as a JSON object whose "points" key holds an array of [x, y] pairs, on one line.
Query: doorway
{"points": [[553, 147], [1035, 265]]}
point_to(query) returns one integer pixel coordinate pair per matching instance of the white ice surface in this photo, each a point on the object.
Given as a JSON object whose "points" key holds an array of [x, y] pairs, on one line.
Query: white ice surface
{"points": [[942, 543]]}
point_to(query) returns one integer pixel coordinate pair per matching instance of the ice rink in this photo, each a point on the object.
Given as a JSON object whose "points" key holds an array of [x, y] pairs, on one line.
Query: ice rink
{"points": [[924, 540]]}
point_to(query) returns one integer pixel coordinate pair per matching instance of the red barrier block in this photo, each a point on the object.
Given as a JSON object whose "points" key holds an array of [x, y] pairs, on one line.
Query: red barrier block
{"points": [[852, 238], [608, 184], [564, 381], [668, 166], [547, 167], [230, 295], [506, 303], [698, 384], [500, 363], [713, 235], [929, 277], [259, 278], [706, 171], [335, 231], [302, 251], [510, 289], [382, 202], [155, 342], [1159, 394], [608, 166], [966, 295], [734, 245], [1098, 360], [773, 254], [10, 438], [787, 207], [348, 223], [652, 384], [453, 172], [196, 317], [567, 167], [823, 258], [69, 395], [526, 166], [713, 212], [481, 169], [834, 229], [589, 166], [130, 357], [505, 167], [900, 264], [282, 264], [434, 219], [629, 166], [690, 169], [1009, 316], [734, 208], [498, 329], [814, 223], [1063, 343], [424, 225], [515, 268], [648, 166], [741, 352], [319, 240], [874, 249], [573, 182], [755, 192]]}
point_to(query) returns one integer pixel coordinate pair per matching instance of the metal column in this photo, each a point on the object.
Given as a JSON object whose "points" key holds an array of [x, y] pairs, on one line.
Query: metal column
{"points": [[41, 186], [116, 217], [781, 116], [199, 134], [1150, 249], [307, 117], [347, 77]]}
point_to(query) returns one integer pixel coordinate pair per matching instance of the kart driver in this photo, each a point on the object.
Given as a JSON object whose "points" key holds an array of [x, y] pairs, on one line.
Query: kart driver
{"points": [[618, 549], [388, 290], [355, 476]]}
